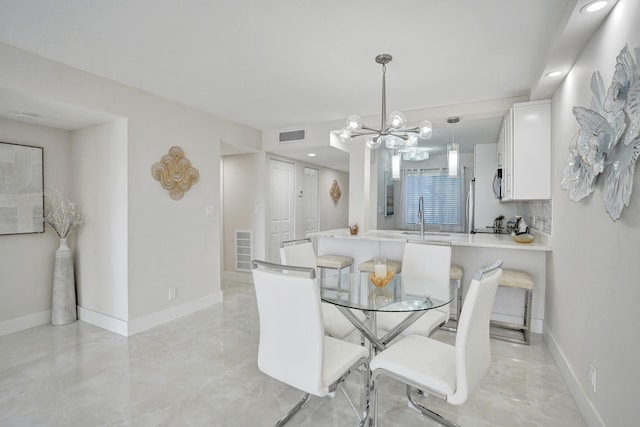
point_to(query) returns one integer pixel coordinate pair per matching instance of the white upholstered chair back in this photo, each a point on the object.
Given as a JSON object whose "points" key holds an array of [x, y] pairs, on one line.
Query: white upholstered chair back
{"points": [[301, 254], [429, 260], [472, 347], [425, 260], [291, 328]]}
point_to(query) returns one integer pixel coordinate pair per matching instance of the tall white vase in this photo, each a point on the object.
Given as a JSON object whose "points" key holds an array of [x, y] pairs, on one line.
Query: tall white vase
{"points": [[63, 301]]}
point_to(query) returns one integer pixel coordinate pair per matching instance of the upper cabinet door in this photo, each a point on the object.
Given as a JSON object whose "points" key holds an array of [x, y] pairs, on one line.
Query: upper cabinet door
{"points": [[527, 162]]}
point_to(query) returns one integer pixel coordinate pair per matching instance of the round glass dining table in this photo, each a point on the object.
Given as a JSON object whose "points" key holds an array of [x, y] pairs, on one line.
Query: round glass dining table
{"points": [[413, 295]]}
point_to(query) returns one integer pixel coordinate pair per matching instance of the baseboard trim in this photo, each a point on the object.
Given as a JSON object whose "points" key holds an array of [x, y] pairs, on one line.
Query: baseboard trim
{"points": [[585, 405], [149, 321], [21, 323], [152, 320], [103, 321]]}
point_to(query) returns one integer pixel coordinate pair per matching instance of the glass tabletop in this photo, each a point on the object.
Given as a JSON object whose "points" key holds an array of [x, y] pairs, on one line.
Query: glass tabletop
{"points": [[402, 293]]}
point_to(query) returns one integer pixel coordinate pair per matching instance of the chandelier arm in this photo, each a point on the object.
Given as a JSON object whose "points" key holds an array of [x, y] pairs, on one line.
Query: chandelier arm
{"points": [[402, 136], [372, 132], [371, 129]]}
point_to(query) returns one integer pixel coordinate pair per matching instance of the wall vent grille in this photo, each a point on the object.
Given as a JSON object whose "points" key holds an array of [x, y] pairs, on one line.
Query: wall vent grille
{"points": [[292, 136], [243, 250]]}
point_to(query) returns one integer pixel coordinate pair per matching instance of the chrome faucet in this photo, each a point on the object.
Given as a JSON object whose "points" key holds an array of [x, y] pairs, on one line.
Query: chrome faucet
{"points": [[421, 216]]}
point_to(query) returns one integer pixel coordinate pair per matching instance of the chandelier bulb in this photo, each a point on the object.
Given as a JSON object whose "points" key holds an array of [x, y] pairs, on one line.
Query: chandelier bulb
{"points": [[397, 120], [345, 135], [354, 123], [426, 129], [374, 142]]}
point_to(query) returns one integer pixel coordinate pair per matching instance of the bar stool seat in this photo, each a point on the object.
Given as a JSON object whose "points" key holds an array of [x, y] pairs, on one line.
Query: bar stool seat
{"points": [[334, 262], [519, 280], [393, 266], [456, 272]]}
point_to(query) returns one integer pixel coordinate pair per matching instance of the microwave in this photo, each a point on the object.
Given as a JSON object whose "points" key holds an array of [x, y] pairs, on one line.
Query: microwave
{"points": [[497, 184]]}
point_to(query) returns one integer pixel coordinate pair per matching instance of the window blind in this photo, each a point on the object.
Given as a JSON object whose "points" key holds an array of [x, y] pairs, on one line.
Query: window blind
{"points": [[442, 195]]}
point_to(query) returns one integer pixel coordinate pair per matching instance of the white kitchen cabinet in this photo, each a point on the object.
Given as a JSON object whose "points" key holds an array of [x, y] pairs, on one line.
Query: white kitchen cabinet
{"points": [[526, 151]]}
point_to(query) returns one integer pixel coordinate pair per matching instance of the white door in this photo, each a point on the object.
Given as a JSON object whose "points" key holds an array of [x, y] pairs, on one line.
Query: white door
{"points": [[281, 206], [310, 200]]}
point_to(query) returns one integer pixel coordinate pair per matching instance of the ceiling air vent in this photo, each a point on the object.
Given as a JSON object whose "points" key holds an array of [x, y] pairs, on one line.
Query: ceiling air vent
{"points": [[292, 136]]}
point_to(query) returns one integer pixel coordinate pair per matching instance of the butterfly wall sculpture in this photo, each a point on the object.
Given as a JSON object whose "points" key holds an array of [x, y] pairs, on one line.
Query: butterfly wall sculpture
{"points": [[608, 141]]}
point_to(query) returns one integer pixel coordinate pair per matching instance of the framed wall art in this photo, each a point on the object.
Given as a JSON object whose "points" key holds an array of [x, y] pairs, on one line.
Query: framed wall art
{"points": [[21, 189]]}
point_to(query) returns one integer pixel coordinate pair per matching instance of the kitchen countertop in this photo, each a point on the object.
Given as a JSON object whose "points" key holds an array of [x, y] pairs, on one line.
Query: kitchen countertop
{"points": [[481, 240]]}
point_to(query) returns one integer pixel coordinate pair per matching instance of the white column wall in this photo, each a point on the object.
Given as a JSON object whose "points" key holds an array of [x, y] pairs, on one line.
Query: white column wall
{"points": [[592, 283]]}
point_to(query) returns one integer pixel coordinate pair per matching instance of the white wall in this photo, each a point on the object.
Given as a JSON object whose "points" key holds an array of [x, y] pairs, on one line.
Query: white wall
{"points": [[333, 216], [26, 260], [99, 160], [169, 243], [240, 173], [591, 313]]}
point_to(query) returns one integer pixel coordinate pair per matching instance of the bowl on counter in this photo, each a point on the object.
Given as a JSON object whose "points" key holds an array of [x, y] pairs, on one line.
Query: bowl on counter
{"points": [[523, 238]]}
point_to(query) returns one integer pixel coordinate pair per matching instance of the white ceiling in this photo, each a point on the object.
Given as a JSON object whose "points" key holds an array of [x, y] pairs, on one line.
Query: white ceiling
{"points": [[283, 64]]}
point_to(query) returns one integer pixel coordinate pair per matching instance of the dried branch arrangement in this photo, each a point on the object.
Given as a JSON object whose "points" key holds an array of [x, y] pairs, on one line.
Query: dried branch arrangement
{"points": [[60, 213]]}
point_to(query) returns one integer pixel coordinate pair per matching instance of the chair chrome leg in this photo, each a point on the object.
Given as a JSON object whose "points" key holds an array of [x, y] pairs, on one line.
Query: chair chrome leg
{"points": [[366, 419], [428, 412], [293, 410]]}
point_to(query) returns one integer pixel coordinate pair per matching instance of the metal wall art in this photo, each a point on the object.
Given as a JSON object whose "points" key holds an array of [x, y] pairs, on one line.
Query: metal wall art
{"points": [[175, 173], [335, 192], [608, 140], [21, 182]]}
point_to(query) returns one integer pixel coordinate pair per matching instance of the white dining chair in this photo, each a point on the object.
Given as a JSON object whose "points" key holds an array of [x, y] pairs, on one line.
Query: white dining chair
{"points": [[449, 372], [301, 253], [431, 261], [292, 347]]}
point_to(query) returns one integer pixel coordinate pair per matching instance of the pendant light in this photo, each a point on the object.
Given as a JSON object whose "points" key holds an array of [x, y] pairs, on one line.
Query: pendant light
{"points": [[453, 158]]}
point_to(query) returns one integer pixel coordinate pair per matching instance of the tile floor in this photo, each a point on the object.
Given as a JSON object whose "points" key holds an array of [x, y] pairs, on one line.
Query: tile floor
{"points": [[201, 370]]}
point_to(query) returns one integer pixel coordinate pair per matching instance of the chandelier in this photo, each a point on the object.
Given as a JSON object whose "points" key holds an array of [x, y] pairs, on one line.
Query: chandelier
{"points": [[393, 130]]}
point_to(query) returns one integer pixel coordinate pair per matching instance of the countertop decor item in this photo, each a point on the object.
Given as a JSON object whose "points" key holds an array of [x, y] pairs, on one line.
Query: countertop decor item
{"points": [[175, 173], [523, 238], [353, 230], [381, 282], [393, 131], [63, 217], [608, 141]]}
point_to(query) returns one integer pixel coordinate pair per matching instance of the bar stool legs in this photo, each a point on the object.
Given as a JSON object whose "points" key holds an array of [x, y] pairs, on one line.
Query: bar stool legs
{"points": [[456, 280], [517, 280]]}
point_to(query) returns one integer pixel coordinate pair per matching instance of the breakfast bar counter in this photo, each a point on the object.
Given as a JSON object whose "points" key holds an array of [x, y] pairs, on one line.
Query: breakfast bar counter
{"points": [[469, 251], [480, 240]]}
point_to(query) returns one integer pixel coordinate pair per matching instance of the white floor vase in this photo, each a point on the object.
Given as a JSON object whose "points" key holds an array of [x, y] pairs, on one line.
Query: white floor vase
{"points": [[63, 300]]}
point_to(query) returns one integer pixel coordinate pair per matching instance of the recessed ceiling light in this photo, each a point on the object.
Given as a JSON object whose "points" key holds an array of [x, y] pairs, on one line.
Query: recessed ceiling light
{"points": [[594, 6], [25, 116], [554, 74], [311, 154]]}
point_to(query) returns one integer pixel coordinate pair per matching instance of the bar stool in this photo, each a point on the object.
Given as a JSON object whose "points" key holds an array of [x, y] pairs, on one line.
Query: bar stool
{"points": [[456, 279], [368, 266], [323, 262], [518, 280], [334, 262]]}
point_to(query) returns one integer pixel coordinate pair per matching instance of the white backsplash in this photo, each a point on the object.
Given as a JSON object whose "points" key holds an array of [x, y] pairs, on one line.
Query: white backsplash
{"points": [[537, 213]]}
